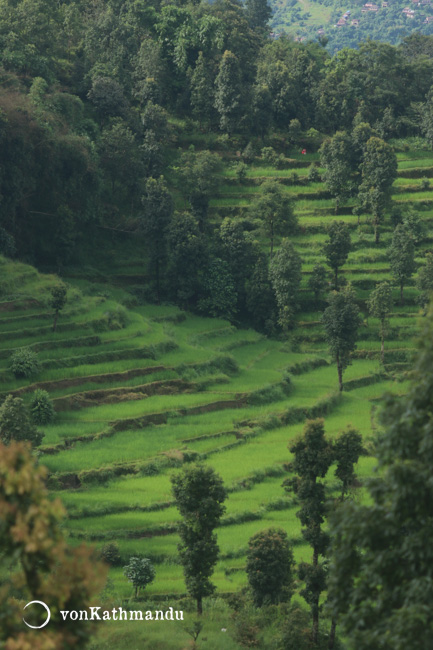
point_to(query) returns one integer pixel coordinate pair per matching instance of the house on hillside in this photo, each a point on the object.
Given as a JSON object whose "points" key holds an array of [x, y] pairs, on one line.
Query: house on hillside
{"points": [[341, 22], [321, 31], [408, 12], [369, 6], [429, 19], [385, 4], [355, 22]]}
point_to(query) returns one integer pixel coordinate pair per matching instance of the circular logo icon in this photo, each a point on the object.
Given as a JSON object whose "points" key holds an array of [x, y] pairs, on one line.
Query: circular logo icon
{"points": [[38, 602]]}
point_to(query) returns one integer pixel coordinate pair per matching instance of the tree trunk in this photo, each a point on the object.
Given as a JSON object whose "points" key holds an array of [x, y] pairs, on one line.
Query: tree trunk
{"points": [[315, 629], [272, 240], [199, 606], [401, 294], [340, 374], [376, 231], [56, 316], [331, 640], [336, 279]]}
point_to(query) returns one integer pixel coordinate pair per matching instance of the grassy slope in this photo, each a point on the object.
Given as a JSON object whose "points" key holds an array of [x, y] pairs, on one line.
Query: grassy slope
{"points": [[246, 443]]}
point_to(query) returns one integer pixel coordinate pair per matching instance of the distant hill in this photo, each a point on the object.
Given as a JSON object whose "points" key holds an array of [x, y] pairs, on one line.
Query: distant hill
{"points": [[345, 24]]}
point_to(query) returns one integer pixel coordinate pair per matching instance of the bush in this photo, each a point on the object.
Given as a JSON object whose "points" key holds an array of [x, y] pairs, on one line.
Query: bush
{"points": [[41, 407], [270, 566], [241, 172], [24, 363], [140, 572], [425, 184], [110, 553], [269, 155], [15, 423], [115, 319], [313, 174]]}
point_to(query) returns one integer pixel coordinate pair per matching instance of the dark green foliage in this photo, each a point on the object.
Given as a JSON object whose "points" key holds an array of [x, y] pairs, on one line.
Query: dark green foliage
{"points": [[313, 455], [424, 281], [285, 276], [220, 292], [157, 213], [318, 280], [379, 171], [199, 181], [337, 247], [260, 297], [58, 301], [15, 423], [228, 98], [347, 449], [402, 257], [269, 566], [41, 407], [140, 572], [110, 553], [427, 117], [199, 494], [336, 156], [24, 363], [380, 306], [275, 210], [382, 548], [313, 174], [341, 320]]}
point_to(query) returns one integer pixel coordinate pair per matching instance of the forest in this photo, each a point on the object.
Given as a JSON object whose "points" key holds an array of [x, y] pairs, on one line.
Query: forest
{"points": [[216, 337]]}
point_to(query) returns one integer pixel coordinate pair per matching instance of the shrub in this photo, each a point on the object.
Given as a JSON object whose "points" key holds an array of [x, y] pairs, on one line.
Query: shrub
{"points": [[24, 363], [114, 319], [425, 184], [270, 565], [15, 423], [140, 572], [241, 172], [41, 407], [313, 174], [110, 553], [269, 155]]}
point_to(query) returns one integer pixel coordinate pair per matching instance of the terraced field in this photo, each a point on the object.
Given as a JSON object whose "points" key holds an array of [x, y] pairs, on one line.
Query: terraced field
{"points": [[141, 390]]}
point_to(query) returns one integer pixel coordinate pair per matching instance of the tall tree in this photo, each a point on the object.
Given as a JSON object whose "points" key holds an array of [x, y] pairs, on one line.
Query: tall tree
{"points": [[341, 320], [427, 117], [258, 13], [199, 494], [157, 214], [313, 455], [285, 276], [381, 572], [274, 208], [337, 247], [424, 281], [202, 91], [16, 423], [402, 257], [270, 565], [336, 156], [199, 181], [380, 306], [228, 93], [318, 280], [379, 171], [58, 301]]}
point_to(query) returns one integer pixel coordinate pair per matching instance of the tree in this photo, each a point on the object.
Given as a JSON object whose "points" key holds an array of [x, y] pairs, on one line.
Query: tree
{"points": [[202, 91], [199, 494], [274, 209], [258, 14], [199, 181], [380, 306], [424, 281], [34, 548], [187, 259], [260, 298], [24, 363], [402, 257], [270, 565], [41, 407], [285, 277], [108, 98], [341, 320], [228, 97], [347, 448], [318, 280], [140, 572], [336, 156], [427, 117], [313, 455], [337, 247], [240, 253], [157, 214], [381, 571], [15, 423], [120, 156], [379, 171], [220, 292], [58, 301]]}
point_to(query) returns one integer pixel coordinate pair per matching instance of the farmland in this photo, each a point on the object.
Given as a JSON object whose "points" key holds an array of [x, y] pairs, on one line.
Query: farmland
{"points": [[164, 387]]}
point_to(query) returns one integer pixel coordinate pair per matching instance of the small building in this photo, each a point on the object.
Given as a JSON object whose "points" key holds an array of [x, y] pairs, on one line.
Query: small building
{"points": [[341, 22], [355, 22], [429, 19], [370, 6], [321, 31], [385, 4]]}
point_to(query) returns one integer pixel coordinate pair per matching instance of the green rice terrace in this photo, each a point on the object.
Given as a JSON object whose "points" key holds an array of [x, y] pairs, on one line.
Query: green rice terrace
{"points": [[141, 389]]}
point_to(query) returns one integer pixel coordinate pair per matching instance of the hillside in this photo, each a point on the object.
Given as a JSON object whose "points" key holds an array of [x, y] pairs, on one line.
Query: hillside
{"points": [[347, 24], [140, 389]]}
